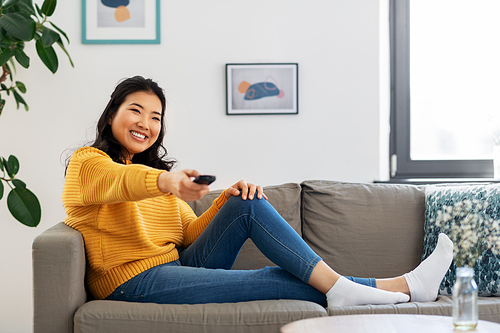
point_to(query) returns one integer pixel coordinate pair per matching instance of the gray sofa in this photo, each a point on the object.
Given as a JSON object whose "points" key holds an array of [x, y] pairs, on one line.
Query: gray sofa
{"points": [[367, 230]]}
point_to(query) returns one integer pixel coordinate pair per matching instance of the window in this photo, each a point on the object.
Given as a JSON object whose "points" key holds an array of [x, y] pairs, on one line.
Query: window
{"points": [[445, 88]]}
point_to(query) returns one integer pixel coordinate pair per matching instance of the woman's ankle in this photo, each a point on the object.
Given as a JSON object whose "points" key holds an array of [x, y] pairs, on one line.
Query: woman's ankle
{"points": [[397, 284], [323, 278]]}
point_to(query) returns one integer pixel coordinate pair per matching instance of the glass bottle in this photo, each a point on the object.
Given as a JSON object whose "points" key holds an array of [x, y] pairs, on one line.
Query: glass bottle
{"points": [[465, 312]]}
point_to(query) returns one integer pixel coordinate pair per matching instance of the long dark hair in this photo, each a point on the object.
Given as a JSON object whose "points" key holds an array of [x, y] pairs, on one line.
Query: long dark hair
{"points": [[154, 156]]}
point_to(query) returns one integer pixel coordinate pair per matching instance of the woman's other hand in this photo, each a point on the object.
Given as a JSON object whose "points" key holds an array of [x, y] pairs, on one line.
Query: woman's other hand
{"points": [[246, 190], [180, 184]]}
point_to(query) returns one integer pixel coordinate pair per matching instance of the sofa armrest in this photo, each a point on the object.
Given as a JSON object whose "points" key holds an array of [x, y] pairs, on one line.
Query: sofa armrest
{"points": [[58, 278]]}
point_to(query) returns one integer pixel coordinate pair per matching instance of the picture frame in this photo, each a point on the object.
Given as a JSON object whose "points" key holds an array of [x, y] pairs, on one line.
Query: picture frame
{"points": [[121, 22], [262, 88]]}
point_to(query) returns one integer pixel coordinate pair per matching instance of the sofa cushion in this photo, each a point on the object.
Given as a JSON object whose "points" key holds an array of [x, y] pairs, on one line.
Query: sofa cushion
{"points": [[487, 267], [364, 230], [488, 308], [256, 316], [285, 199]]}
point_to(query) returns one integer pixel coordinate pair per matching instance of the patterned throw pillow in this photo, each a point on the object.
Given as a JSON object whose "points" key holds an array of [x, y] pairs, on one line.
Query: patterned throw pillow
{"points": [[487, 268]]}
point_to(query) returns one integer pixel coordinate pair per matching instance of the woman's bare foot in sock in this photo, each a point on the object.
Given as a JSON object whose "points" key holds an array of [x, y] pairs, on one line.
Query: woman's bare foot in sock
{"points": [[423, 281], [346, 292]]}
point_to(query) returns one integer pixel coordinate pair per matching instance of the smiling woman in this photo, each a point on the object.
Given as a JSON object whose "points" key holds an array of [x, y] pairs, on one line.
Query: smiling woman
{"points": [[144, 243]]}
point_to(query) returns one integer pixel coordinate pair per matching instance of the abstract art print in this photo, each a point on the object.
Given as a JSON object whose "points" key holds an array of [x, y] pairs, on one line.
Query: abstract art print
{"points": [[121, 21], [262, 89]]}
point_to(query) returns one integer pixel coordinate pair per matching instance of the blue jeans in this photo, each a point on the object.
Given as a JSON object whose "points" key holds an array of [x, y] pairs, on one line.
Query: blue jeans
{"points": [[203, 272]]}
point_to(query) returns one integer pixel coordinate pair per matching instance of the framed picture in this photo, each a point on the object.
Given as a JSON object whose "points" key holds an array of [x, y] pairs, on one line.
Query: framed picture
{"points": [[261, 89], [121, 21]]}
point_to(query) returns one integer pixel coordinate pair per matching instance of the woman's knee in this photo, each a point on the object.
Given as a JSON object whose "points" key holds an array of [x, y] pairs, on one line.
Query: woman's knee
{"points": [[250, 204]]}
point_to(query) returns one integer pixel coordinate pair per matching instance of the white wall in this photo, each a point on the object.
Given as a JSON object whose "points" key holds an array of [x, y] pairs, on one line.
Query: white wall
{"points": [[335, 136]]}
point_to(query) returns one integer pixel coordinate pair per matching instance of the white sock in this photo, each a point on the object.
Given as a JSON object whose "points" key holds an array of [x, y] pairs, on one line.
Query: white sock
{"points": [[424, 280], [346, 292]]}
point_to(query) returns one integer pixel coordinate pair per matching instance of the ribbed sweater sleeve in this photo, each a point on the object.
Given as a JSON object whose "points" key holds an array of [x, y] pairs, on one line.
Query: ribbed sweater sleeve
{"points": [[99, 180]]}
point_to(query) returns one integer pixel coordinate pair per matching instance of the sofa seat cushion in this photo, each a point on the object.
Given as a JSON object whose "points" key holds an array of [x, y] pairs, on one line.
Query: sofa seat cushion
{"points": [[489, 308], [256, 316], [364, 230]]}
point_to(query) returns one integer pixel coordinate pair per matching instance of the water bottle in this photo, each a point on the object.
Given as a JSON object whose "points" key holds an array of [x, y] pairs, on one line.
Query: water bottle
{"points": [[465, 312]]}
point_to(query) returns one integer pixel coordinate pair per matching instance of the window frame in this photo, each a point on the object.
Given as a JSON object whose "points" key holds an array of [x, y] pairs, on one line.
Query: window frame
{"points": [[402, 166]]}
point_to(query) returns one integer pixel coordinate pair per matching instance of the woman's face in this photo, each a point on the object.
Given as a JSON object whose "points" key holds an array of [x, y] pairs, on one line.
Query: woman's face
{"points": [[137, 123]]}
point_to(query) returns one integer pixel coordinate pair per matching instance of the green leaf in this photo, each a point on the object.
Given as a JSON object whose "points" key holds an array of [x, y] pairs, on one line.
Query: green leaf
{"points": [[22, 58], [38, 10], [5, 55], [17, 101], [60, 31], [5, 165], [16, 9], [1, 163], [21, 87], [5, 43], [12, 62], [2, 104], [13, 165], [9, 3], [20, 100], [33, 29], [48, 7], [60, 43], [18, 26], [19, 184], [1, 189], [26, 6], [49, 37], [48, 56], [24, 206]]}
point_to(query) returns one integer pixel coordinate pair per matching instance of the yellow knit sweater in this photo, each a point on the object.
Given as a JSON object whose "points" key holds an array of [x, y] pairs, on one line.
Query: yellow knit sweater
{"points": [[127, 223]]}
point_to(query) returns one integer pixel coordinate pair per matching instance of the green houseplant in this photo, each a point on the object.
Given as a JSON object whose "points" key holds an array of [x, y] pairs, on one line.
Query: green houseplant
{"points": [[21, 22]]}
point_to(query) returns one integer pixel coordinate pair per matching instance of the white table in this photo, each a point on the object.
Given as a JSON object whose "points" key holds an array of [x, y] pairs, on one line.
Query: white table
{"points": [[383, 323]]}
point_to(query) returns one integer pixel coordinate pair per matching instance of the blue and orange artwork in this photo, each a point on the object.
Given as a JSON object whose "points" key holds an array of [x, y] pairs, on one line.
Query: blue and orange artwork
{"points": [[121, 12], [260, 90]]}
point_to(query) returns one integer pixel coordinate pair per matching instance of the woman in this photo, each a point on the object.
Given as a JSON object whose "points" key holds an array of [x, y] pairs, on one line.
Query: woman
{"points": [[145, 244]]}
